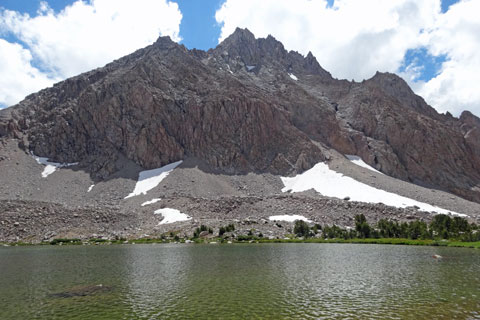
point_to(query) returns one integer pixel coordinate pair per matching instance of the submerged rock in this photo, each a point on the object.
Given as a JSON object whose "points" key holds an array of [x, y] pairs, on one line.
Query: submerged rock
{"points": [[82, 291]]}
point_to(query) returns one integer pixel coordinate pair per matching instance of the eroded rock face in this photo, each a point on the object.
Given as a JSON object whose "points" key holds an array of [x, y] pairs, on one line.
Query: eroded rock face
{"points": [[470, 127], [247, 105], [427, 150], [159, 106]]}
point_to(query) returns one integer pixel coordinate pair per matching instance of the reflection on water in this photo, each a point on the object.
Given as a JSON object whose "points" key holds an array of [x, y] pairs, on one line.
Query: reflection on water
{"points": [[268, 281]]}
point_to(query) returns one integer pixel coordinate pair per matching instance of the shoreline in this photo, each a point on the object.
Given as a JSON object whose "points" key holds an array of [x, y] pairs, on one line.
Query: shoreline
{"points": [[382, 241]]}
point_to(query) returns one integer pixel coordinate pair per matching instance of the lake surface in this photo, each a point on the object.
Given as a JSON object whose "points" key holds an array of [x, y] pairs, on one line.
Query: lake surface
{"points": [[239, 281]]}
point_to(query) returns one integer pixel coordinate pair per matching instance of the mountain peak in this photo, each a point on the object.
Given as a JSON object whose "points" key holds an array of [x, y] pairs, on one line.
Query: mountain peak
{"points": [[268, 51], [391, 83], [311, 64], [396, 87], [164, 42], [387, 75], [240, 35], [470, 118]]}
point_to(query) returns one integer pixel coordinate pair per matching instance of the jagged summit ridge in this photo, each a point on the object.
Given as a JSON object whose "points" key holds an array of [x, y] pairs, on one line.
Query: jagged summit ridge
{"points": [[267, 51]]}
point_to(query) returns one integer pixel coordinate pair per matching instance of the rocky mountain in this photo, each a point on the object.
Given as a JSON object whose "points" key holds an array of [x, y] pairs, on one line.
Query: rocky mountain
{"points": [[240, 116], [247, 105]]}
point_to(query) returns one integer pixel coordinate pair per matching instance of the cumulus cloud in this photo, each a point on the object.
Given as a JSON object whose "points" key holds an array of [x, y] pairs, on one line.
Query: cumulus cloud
{"points": [[353, 39], [83, 36], [18, 75], [456, 34]]}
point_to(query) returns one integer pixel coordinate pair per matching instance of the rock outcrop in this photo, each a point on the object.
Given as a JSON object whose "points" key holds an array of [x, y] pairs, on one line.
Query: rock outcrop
{"points": [[402, 136]]}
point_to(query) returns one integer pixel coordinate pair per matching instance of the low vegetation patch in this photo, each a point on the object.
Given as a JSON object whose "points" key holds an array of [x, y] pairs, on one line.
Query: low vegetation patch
{"points": [[394, 241], [199, 230], [228, 228], [61, 241]]}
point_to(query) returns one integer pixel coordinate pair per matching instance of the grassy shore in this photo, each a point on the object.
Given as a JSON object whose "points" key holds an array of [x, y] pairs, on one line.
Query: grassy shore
{"points": [[391, 241]]}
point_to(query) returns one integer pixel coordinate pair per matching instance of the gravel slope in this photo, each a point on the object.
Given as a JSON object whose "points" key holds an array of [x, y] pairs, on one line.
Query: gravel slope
{"points": [[33, 208]]}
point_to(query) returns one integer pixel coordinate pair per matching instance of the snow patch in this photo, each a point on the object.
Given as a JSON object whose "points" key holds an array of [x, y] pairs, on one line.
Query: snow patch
{"points": [[90, 188], [359, 162], [333, 184], [146, 203], [51, 167], [289, 218], [293, 76], [171, 215], [149, 179]]}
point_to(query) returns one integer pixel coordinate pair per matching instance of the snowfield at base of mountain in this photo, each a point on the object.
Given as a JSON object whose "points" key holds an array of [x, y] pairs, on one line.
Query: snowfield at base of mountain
{"points": [[172, 215], [333, 184], [149, 179], [289, 218], [51, 167]]}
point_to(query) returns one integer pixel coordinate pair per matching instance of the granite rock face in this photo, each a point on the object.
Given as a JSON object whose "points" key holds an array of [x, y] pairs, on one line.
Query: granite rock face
{"points": [[247, 105], [157, 106]]}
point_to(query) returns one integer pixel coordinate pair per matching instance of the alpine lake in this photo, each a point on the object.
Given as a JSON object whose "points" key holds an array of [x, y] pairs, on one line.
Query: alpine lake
{"points": [[239, 281]]}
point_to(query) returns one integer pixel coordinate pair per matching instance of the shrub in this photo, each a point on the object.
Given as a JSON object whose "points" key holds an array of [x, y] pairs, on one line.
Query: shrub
{"points": [[245, 238], [316, 228], [221, 231], [197, 231], [361, 226], [440, 225], [61, 240], [301, 229], [335, 232]]}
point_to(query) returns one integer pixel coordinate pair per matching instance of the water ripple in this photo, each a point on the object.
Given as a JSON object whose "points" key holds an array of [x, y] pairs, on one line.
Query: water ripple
{"points": [[271, 281]]}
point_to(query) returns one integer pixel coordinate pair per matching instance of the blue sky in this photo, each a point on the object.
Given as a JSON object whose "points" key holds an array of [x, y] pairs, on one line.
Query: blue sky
{"points": [[198, 28], [428, 65], [447, 3], [418, 62]]}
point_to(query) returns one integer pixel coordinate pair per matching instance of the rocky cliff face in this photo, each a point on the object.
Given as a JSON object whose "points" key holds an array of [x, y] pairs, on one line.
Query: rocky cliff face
{"points": [[247, 105], [158, 106], [412, 141]]}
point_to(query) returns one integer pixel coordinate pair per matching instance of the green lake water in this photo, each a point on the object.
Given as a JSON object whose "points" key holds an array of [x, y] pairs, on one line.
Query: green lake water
{"points": [[239, 281]]}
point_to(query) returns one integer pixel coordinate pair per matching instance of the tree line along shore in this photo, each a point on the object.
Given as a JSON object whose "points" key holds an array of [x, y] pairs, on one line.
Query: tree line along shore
{"points": [[443, 230]]}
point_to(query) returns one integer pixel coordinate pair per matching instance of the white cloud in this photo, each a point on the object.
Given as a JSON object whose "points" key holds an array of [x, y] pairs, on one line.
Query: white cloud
{"points": [[351, 40], [86, 35], [18, 77], [354, 39], [457, 35]]}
